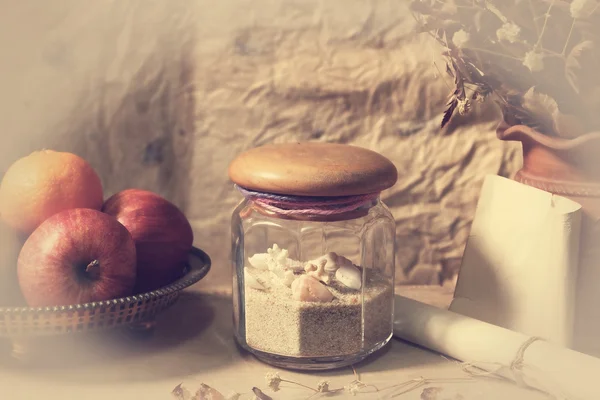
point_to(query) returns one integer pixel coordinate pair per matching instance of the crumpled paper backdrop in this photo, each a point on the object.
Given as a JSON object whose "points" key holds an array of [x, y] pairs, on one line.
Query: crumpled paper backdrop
{"points": [[162, 95]]}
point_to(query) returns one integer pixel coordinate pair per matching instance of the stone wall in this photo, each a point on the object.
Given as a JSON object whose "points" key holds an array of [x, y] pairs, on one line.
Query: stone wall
{"points": [[163, 95]]}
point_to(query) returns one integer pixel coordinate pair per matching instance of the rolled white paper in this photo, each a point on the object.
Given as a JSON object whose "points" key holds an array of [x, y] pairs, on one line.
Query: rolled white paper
{"points": [[548, 367], [520, 265]]}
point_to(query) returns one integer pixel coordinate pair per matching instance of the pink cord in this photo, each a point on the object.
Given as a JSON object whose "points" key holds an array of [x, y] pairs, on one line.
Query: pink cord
{"points": [[304, 205]]}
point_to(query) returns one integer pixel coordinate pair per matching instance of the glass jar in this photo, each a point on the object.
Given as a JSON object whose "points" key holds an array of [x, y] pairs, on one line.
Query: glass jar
{"points": [[313, 255]]}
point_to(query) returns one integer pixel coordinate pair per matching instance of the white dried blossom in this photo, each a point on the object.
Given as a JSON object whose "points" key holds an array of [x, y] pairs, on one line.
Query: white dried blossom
{"points": [[509, 32], [582, 8], [460, 38], [323, 387], [534, 61], [353, 388], [273, 380], [234, 396]]}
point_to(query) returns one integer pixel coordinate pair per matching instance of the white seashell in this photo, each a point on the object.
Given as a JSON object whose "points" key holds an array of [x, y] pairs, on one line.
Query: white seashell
{"points": [[341, 260], [332, 256], [294, 265], [282, 277], [278, 254], [307, 288], [289, 278], [318, 271], [259, 260], [277, 258], [350, 276], [309, 267], [277, 273], [328, 262], [254, 282]]}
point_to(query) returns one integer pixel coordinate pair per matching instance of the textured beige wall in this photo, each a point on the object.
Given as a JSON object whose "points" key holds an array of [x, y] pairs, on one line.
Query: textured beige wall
{"points": [[163, 94]]}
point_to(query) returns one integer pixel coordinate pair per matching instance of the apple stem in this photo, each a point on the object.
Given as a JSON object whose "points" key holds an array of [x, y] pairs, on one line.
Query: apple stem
{"points": [[92, 267]]}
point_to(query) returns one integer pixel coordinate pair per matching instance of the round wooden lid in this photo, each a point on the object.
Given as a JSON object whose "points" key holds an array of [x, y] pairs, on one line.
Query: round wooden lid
{"points": [[313, 169]]}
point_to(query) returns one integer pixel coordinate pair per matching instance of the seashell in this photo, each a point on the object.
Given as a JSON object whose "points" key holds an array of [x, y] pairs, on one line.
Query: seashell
{"points": [[283, 277], [289, 278], [328, 262], [254, 282], [259, 260], [278, 254], [318, 271], [341, 260], [307, 288], [310, 267], [294, 265], [350, 276], [277, 258]]}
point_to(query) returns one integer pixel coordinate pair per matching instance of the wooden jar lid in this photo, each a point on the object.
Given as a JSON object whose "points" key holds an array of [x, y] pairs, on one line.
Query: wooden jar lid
{"points": [[313, 169]]}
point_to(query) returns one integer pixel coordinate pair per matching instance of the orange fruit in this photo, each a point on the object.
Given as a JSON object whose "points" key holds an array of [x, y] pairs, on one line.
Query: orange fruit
{"points": [[44, 183]]}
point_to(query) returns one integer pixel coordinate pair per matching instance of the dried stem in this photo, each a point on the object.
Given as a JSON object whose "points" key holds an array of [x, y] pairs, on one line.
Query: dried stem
{"points": [[533, 16], [564, 51], [503, 64], [494, 53], [299, 384], [547, 16]]}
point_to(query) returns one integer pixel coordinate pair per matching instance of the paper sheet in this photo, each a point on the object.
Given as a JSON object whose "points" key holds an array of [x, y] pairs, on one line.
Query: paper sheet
{"points": [[520, 264], [563, 373]]}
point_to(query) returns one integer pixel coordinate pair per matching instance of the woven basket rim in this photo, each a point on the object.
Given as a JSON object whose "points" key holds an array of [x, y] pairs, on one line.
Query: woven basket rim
{"points": [[193, 274]]}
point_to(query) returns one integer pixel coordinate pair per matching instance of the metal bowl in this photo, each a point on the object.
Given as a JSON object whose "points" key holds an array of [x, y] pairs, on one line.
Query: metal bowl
{"points": [[138, 311]]}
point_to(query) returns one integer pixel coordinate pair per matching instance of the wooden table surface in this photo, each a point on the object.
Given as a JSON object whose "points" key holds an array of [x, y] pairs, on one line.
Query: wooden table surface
{"points": [[193, 344]]}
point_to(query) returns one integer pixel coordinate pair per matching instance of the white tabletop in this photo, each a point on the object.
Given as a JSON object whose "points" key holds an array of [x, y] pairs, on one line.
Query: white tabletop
{"points": [[193, 344]]}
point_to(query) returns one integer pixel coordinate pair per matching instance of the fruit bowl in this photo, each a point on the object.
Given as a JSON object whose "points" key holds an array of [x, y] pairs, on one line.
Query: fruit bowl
{"points": [[137, 311]]}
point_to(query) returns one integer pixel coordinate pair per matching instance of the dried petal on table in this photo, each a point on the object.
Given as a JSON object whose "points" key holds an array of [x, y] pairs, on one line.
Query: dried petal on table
{"points": [[260, 395], [208, 393], [431, 393], [181, 393]]}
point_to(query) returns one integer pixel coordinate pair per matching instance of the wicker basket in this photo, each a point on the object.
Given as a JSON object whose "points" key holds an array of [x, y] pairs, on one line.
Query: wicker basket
{"points": [[139, 310]]}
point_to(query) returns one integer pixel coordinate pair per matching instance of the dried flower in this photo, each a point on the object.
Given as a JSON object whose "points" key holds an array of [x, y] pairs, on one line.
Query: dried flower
{"points": [[273, 380], [353, 388], [498, 49], [509, 32], [323, 386], [461, 38], [464, 106], [234, 396], [534, 61], [582, 8]]}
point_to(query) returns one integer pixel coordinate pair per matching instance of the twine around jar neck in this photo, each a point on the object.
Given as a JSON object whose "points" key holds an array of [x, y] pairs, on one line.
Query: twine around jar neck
{"points": [[307, 205]]}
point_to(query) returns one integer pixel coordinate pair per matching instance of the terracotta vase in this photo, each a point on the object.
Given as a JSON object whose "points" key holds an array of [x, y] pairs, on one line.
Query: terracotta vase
{"points": [[570, 168]]}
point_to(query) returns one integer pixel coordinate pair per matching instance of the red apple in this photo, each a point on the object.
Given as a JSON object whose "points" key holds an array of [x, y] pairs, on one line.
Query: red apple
{"points": [[77, 256], [162, 234]]}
